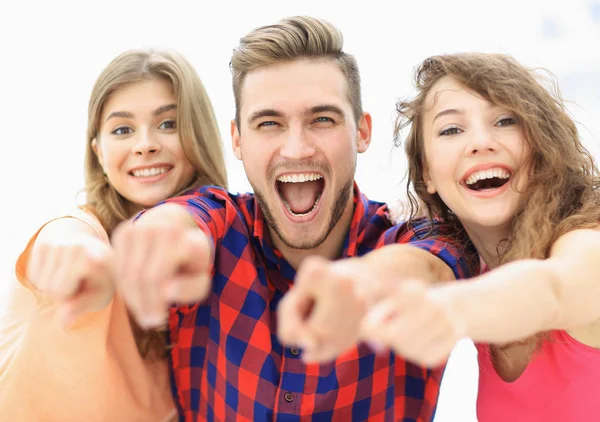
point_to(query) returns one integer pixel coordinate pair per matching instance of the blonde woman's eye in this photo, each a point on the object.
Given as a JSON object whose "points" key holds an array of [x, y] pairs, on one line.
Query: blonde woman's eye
{"points": [[168, 125], [122, 130]]}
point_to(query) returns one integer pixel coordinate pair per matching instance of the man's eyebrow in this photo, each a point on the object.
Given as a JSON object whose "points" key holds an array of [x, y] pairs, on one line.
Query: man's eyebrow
{"points": [[332, 108], [267, 112]]}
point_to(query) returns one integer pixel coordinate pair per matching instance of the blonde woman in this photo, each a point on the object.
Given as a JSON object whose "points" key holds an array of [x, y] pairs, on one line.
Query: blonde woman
{"points": [[70, 351]]}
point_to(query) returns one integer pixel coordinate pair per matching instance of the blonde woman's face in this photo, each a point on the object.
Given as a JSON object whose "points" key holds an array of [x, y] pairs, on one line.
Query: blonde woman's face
{"points": [[138, 143]]}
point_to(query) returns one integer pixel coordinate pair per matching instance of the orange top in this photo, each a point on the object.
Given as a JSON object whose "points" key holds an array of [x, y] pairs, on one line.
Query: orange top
{"points": [[91, 371]]}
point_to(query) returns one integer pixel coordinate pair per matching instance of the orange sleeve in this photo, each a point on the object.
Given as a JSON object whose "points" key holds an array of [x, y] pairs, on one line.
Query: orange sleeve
{"points": [[23, 259]]}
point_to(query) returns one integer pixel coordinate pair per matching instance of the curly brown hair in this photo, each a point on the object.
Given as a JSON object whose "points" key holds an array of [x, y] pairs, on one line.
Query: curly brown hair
{"points": [[564, 177], [562, 173]]}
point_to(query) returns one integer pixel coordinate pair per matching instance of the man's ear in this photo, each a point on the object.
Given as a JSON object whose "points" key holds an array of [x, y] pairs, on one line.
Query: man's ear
{"points": [[235, 140], [364, 128]]}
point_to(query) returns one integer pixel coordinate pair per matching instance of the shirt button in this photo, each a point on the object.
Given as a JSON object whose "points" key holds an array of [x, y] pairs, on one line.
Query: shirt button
{"points": [[294, 351], [289, 397]]}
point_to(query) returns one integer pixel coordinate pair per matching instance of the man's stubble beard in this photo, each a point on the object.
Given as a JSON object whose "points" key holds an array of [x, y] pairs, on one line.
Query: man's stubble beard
{"points": [[336, 212]]}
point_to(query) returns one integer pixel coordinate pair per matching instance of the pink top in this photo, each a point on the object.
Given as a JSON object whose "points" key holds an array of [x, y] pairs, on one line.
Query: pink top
{"points": [[561, 383]]}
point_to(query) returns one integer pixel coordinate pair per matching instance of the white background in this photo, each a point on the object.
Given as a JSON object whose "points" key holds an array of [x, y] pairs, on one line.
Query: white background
{"points": [[51, 53]]}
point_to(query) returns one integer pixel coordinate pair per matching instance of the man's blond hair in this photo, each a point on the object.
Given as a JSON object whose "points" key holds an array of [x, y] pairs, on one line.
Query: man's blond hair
{"points": [[294, 38]]}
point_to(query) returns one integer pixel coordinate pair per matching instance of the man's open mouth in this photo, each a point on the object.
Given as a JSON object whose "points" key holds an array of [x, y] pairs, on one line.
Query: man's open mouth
{"points": [[300, 192]]}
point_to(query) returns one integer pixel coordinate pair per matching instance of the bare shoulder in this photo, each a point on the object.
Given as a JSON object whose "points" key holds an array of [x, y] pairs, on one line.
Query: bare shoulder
{"points": [[584, 243], [577, 241]]}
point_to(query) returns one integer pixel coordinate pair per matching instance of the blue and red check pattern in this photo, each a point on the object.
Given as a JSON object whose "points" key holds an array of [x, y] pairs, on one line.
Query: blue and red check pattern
{"points": [[226, 360]]}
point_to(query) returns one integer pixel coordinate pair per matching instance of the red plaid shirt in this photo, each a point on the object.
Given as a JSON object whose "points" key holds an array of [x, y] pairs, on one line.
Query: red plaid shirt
{"points": [[227, 363]]}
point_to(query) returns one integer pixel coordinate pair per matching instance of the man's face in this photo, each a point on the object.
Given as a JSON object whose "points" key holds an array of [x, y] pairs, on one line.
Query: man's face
{"points": [[298, 141]]}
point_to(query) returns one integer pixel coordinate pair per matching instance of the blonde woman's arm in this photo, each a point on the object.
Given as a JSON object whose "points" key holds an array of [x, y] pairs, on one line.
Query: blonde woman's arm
{"points": [[70, 264], [165, 257]]}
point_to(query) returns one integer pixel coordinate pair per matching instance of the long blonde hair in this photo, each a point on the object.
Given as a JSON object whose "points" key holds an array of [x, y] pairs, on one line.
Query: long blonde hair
{"points": [[197, 126], [198, 131]]}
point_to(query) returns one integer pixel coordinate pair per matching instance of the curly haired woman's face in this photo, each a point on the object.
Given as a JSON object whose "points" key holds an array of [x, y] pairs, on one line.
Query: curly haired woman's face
{"points": [[473, 150]]}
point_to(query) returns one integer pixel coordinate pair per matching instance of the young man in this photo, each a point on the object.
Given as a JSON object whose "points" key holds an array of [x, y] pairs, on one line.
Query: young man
{"points": [[298, 128]]}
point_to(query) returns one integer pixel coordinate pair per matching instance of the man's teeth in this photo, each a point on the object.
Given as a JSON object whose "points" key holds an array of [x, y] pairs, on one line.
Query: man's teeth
{"points": [[500, 173], [299, 178], [149, 172], [304, 214]]}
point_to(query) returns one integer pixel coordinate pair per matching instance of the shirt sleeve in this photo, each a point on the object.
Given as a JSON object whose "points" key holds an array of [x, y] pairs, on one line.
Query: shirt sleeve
{"points": [[435, 237], [209, 213]]}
